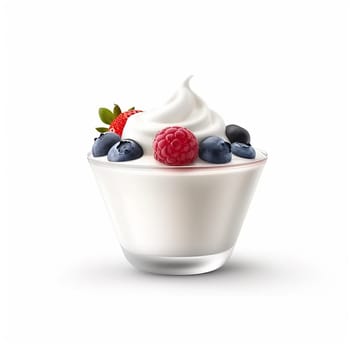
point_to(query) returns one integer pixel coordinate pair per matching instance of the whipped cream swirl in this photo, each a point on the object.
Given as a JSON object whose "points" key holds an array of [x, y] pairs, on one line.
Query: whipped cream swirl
{"points": [[184, 109]]}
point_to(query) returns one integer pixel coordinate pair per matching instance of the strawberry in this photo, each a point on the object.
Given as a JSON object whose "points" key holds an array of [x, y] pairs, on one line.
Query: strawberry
{"points": [[119, 122], [116, 119]]}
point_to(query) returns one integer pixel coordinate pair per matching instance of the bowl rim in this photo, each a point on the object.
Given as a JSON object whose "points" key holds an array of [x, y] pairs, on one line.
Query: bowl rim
{"points": [[101, 161]]}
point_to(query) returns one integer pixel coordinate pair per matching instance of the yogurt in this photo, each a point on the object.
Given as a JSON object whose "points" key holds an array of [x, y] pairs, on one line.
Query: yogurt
{"points": [[184, 109], [177, 220]]}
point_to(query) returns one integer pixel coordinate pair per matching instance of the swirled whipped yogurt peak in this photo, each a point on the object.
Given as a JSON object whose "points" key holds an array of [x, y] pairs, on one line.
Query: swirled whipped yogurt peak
{"points": [[184, 109]]}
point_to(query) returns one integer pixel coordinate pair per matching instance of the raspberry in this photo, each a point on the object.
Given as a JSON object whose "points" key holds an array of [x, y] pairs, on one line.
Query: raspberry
{"points": [[175, 146], [119, 122]]}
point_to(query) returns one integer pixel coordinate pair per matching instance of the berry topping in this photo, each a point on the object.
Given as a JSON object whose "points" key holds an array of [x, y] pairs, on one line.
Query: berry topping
{"points": [[236, 133], [175, 146], [214, 149], [125, 150], [103, 143], [116, 120], [243, 150], [119, 122]]}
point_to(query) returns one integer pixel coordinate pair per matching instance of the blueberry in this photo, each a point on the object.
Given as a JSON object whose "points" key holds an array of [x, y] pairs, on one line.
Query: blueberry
{"points": [[103, 144], [243, 150], [125, 150], [236, 133], [214, 149]]}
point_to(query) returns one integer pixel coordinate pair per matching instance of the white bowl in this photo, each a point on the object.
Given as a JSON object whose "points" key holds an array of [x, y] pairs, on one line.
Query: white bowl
{"points": [[177, 220]]}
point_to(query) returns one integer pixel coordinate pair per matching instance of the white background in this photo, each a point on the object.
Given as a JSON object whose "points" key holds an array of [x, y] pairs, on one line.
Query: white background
{"points": [[277, 68]]}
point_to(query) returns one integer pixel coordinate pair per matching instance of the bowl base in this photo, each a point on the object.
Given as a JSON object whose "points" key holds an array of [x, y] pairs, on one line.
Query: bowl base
{"points": [[183, 265]]}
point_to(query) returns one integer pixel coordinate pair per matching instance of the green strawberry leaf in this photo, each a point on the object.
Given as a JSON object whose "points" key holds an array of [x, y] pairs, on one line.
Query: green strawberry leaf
{"points": [[116, 110], [106, 115], [131, 109], [102, 129]]}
